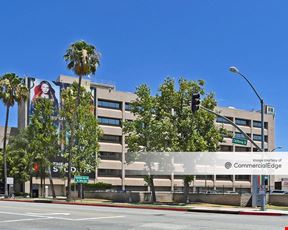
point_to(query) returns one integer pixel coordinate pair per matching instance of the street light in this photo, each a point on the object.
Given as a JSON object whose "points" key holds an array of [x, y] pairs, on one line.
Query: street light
{"points": [[279, 147], [234, 69]]}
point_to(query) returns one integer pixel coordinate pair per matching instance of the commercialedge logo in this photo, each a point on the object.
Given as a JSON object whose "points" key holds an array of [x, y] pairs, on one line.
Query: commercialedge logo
{"points": [[258, 165], [228, 165]]}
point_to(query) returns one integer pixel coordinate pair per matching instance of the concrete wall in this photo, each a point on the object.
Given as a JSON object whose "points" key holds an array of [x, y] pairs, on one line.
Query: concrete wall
{"points": [[223, 199], [281, 200], [145, 197]]}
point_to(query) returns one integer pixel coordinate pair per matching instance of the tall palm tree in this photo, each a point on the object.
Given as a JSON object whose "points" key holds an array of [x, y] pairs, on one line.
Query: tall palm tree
{"points": [[83, 59], [12, 90]]}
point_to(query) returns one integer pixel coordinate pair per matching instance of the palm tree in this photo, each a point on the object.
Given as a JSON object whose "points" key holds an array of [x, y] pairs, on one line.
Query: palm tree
{"points": [[12, 90], [83, 59]]}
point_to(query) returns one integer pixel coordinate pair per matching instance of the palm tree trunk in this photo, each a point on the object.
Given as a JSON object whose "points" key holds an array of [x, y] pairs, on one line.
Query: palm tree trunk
{"points": [[51, 183], [4, 151], [78, 94], [186, 191], [153, 189], [31, 185], [41, 185], [71, 144]]}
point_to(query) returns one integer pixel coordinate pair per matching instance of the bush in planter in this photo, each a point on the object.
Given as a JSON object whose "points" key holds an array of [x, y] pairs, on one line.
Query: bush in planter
{"points": [[24, 194], [95, 186]]}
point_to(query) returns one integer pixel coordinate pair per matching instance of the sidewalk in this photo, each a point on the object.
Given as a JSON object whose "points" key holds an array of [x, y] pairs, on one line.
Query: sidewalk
{"points": [[194, 207]]}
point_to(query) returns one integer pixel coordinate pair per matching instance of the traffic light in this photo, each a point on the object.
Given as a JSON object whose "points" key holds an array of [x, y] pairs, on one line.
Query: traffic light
{"points": [[195, 103]]}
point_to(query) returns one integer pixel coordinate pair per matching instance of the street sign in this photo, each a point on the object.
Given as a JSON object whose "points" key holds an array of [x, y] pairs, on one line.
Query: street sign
{"points": [[239, 141], [81, 179], [10, 180]]}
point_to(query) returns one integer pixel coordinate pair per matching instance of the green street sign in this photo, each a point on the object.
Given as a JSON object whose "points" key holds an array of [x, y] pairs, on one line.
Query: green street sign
{"points": [[81, 179], [239, 141]]}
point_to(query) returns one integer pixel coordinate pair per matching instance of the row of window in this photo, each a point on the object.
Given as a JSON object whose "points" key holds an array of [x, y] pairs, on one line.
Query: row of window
{"points": [[111, 139], [110, 156], [256, 137], [229, 148], [109, 121], [117, 172], [242, 122], [113, 105]]}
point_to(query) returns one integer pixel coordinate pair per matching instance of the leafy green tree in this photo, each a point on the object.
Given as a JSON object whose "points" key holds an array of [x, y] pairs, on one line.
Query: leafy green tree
{"points": [[43, 139], [12, 90], [83, 153], [165, 122], [19, 157]]}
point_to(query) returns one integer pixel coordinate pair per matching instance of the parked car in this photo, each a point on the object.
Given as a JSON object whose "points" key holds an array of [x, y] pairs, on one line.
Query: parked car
{"points": [[214, 192], [231, 192], [281, 192]]}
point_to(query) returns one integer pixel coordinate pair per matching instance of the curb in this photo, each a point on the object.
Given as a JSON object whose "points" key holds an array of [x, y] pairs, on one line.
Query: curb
{"points": [[256, 213], [262, 213], [215, 211]]}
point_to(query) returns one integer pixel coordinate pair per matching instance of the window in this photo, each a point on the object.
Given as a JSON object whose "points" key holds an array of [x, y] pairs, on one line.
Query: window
{"points": [[239, 136], [109, 172], [257, 124], [204, 177], [110, 156], [226, 148], [242, 149], [109, 121], [257, 137], [111, 139], [244, 122], [242, 178], [224, 177], [222, 120], [109, 104], [127, 106]]}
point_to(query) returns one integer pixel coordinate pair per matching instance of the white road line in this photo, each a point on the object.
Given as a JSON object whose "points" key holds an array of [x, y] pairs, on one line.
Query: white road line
{"points": [[49, 214], [22, 214], [91, 218], [40, 216], [98, 218], [10, 221]]}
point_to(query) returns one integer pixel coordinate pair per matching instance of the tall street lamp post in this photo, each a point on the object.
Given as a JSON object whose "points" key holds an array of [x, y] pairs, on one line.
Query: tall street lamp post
{"points": [[233, 69]]}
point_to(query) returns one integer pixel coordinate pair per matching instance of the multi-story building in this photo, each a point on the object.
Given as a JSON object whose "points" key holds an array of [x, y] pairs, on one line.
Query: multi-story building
{"points": [[113, 107]]}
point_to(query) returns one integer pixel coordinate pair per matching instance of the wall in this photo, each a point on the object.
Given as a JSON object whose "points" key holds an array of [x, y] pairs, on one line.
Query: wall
{"points": [[145, 197], [281, 200]]}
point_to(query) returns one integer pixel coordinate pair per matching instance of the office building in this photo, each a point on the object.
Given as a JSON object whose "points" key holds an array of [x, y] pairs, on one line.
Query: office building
{"points": [[113, 107]]}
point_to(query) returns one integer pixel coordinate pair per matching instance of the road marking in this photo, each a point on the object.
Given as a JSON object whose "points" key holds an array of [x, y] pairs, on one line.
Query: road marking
{"points": [[98, 218], [49, 214], [22, 214], [10, 221], [90, 218]]}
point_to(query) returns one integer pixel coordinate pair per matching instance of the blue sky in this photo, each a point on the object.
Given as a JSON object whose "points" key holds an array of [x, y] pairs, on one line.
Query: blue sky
{"points": [[145, 41]]}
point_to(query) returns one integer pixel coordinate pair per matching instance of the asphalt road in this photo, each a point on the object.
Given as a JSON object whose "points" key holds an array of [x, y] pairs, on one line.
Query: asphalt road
{"points": [[32, 216]]}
